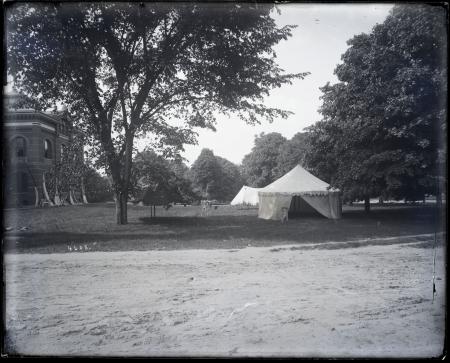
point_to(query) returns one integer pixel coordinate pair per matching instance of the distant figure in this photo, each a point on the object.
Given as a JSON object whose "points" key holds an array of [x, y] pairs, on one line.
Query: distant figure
{"points": [[168, 206], [206, 205], [284, 215]]}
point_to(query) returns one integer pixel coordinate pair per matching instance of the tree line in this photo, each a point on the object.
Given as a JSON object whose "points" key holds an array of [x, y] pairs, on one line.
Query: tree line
{"points": [[383, 126], [157, 180]]}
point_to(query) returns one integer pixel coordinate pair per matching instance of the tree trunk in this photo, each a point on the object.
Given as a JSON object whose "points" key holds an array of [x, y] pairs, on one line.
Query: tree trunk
{"points": [[71, 198], [121, 208], [44, 188], [36, 197], [123, 185], [83, 192], [75, 198], [367, 204], [120, 200], [57, 198]]}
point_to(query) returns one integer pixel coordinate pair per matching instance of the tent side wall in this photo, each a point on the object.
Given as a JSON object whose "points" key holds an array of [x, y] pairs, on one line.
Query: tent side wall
{"points": [[328, 204]]}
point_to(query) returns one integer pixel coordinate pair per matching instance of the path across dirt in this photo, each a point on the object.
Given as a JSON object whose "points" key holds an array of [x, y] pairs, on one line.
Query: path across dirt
{"points": [[371, 300]]}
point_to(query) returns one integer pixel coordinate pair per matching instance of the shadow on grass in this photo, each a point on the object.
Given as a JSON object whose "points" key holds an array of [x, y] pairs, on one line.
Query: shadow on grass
{"points": [[232, 231]]}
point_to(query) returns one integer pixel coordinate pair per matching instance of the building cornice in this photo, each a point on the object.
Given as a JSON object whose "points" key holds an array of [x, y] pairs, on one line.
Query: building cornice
{"points": [[19, 118], [26, 124], [53, 118]]}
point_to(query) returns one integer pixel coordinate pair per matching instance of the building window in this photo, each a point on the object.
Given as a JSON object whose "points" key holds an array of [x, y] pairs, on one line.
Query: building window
{"points": [[47, 149], [20, 150]]}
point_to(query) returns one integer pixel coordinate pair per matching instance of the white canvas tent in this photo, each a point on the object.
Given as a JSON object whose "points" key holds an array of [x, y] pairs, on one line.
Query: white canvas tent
{"points": [[247, 196], [299, 190]]}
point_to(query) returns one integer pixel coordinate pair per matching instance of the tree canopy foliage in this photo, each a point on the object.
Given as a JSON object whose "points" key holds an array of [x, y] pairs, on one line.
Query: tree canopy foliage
{"points": [[206, 174], [383, 122], [214, 177], [97, 187], [292, 153], [16, 101], [272, 156], [260, 165], [231, 181], [156, 69], [158, 181]]}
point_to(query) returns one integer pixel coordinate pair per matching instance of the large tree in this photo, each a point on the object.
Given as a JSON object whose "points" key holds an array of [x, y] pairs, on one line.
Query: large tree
{"points": [[134, 69], [182, 181], [206, 175], [260, 166], [292, 153], [214, 177], [231, 181], [384, 121], [97, 187], [158, 181]]}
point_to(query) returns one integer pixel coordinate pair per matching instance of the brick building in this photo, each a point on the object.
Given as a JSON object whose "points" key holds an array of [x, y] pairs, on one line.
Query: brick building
{"points": [[33, 141]]}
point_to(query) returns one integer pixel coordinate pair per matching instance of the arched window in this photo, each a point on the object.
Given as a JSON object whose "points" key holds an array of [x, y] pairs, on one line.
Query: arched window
{"points": [[19, 147], [47, 149]]}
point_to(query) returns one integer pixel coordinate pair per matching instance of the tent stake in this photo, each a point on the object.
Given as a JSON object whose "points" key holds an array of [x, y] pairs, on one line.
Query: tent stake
{"points": [[436, 216], [434, 268]]}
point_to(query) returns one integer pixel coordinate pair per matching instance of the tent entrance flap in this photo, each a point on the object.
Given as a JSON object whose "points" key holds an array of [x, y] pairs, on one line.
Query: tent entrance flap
{"points": [[270, 205], [299, 207], [329, 205]]}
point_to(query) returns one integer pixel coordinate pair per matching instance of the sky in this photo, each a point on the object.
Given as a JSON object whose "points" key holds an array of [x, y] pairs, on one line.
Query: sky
{"points": [[316, 46]]}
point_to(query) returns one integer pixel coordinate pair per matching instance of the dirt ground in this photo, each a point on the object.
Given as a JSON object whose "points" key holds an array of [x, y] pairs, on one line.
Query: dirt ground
{"points": [[372, 298]]}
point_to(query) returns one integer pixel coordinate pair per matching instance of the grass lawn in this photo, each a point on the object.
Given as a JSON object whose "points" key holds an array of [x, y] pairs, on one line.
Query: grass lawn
{"points": [[92, 226]]}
